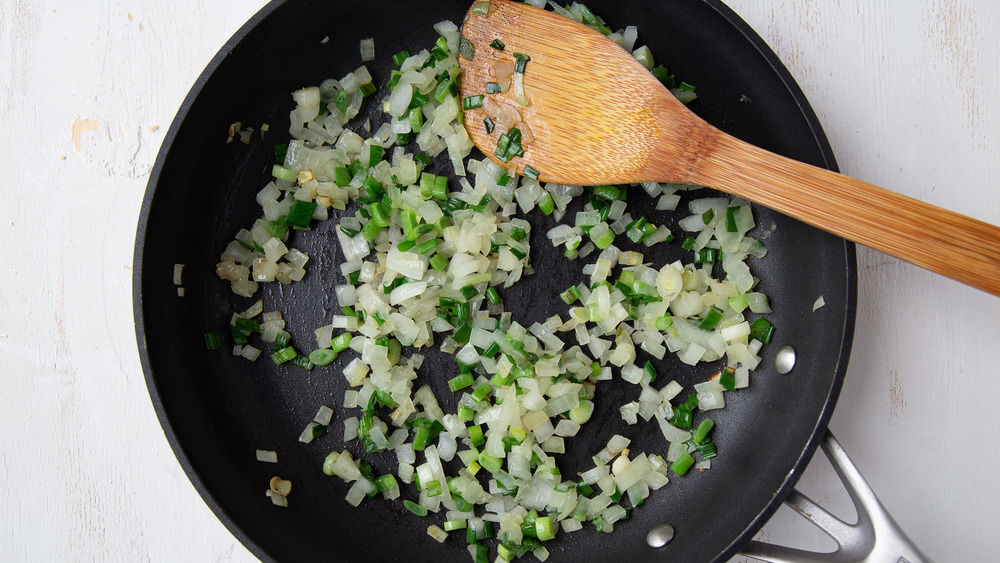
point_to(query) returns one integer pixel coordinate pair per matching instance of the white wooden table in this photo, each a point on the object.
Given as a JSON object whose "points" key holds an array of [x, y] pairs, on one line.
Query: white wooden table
{"points": [[909, 95]]}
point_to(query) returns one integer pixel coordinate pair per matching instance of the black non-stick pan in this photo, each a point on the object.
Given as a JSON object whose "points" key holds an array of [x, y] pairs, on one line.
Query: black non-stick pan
{"points": [[216, 409]]}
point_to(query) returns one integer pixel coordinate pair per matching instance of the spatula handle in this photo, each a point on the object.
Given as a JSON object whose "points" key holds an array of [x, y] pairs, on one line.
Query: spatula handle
{"points": [[956, 246]]}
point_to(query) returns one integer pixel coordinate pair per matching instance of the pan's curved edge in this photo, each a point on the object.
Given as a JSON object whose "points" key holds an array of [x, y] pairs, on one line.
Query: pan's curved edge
{"points": [[725, 12], [137, 274], [851, 298]]}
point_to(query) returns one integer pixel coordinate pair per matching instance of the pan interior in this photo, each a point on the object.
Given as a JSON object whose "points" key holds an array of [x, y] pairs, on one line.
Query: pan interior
{"points": [[217, 409]]}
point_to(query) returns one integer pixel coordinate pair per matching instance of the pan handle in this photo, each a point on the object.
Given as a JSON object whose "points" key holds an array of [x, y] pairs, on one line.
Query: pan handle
{"points": [[876, 537]]}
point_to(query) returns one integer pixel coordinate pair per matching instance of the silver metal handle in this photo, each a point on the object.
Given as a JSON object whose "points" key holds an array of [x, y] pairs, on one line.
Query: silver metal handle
{"points": [[875, 538]]}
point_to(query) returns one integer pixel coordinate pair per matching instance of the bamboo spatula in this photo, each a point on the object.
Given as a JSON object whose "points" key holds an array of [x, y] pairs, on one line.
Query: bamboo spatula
{"points": [[594, 115]]}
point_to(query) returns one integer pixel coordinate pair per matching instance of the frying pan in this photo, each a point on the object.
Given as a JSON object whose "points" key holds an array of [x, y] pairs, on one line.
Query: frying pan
{"points": [[216, 410]]}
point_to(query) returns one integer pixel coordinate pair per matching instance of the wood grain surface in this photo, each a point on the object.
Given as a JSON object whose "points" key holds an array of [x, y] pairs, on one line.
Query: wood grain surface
{"points": [[909, 95]]}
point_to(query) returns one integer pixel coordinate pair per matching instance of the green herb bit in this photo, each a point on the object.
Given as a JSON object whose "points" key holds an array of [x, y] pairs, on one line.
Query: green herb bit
{"points": [[341, 101], [415, 508], [520, 62], [570, 295], [466, 48], [762, 330], [212, 341], [651, 370], [322, 356], [301, 213], [708, 215], [472, 102], [546, 204], [400, 57], [703, 429], [711, 320], [683, 464], [280, 150], [303, 362], [469, 292], [727, 378], [283, 355]]}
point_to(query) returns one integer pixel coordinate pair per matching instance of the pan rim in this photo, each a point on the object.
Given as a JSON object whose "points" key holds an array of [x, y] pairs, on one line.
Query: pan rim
{"points": [[152, 386], [179, 451]]}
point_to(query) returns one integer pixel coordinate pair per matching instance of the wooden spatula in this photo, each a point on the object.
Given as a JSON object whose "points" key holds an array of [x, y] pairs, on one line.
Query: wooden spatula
{"points": [[589, 114]]}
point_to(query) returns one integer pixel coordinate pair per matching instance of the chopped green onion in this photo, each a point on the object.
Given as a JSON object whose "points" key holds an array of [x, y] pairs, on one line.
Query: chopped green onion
{"points": [[739, 302], [322, 356], [707, 256], [427, 246], [546, 204], [762, 330], [460, 381], [520, 62], [570, 295], [492, 349], [439, 262], [706, 450], [399, 57], [341, 101], [239, 339], [476, 437], [482, 554], [651, 370], [466, 413], [341, 342], [703, 429], [303, 362], [301, 213], [280, 150], [415, 508], [433, 488], [469, 292], [683, 464], [281, 341], [418, 100], [731, 219], [711, 320], [416, 119], [492, 296], [493, 88], [282, 173], [727, 378], [482, 392], [610, 193], [342, 176], [497, 44], [490, 463], [472, 102], [489, 125], [212, 341], [543, 528], [284, 355]]}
